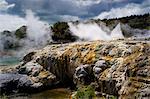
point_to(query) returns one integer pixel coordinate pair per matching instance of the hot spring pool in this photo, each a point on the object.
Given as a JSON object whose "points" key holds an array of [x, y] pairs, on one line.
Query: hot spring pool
{"points": [[9, 60], [60, 93]]}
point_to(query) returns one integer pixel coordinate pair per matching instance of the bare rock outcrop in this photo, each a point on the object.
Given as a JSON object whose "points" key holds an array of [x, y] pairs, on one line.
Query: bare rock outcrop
{"points": [[118, 67]]}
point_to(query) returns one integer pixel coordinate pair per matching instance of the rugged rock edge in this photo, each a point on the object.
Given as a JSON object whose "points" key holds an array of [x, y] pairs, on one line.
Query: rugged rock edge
{"points": [[119, 68]]}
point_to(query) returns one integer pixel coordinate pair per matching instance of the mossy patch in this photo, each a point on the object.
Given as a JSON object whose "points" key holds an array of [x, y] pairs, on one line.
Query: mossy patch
{"points": [[85, 92]]}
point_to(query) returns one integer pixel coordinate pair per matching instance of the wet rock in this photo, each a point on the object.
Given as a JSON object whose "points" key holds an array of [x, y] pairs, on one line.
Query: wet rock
{"points": [[144, 93], [13, 82], [83, 74], [30, 68], [47, 79], [37, 85], [24, 82], [44, 74], [144, 73], [115, 52], [108, 87], [99, 67], [28, 57], [8, 82]]}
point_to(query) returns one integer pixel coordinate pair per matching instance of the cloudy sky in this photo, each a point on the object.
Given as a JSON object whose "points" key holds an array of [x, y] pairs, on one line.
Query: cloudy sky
{"points": [[58, 10]]}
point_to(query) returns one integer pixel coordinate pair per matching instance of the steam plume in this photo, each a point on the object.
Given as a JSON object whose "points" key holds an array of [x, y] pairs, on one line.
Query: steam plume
{"points": [[93, 31], [38, 32]]}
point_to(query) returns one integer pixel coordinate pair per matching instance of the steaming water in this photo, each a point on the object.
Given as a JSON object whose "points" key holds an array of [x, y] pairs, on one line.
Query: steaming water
{"points": [[9, 60]]}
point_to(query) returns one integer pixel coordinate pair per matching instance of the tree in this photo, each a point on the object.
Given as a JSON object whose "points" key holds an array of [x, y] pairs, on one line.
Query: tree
{"points": [[61, 33]]}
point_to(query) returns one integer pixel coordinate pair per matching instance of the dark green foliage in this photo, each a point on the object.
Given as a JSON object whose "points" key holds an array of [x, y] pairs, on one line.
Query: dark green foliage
{"points": [[134, 21], [61, 33], [21, 32], [87, 92]]}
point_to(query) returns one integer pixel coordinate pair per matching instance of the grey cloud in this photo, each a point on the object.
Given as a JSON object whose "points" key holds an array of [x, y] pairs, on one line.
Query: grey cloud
{"points": [[129, 9], [53, 10], [5, 6]]}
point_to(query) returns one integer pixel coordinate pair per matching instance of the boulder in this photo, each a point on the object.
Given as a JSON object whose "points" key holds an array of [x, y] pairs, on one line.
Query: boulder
{"points": [[30, 68], [14, 82], [83, 75], [28, 57], [99, 67]]}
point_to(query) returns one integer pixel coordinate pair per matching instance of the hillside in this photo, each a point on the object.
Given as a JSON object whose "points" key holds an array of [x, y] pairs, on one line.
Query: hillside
{"points": [[134, 21]]}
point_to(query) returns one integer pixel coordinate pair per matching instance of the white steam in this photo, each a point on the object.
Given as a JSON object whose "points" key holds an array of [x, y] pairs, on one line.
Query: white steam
{"points": [[38, 32], [10, 22], [93, 31], [117, 32]]}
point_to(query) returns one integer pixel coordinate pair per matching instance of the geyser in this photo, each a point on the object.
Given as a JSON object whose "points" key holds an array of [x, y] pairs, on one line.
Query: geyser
{"points": [[38, 32], [93, 31], [116, 32]]}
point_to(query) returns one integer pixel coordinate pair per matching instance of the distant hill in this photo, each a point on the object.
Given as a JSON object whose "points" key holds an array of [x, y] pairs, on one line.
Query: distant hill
{"points": [[134, 21]]}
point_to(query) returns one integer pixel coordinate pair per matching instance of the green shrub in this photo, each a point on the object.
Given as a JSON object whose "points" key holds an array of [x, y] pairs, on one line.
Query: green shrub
{"points": [[61, 33], [21, 32], [3, 96], [86, 92]]}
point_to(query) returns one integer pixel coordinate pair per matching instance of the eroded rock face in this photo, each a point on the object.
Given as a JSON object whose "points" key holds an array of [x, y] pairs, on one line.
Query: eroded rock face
{"points": [[83, 75], [30, 68], [119, 68], [99, 67], [38, 74], [117, 65]]}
